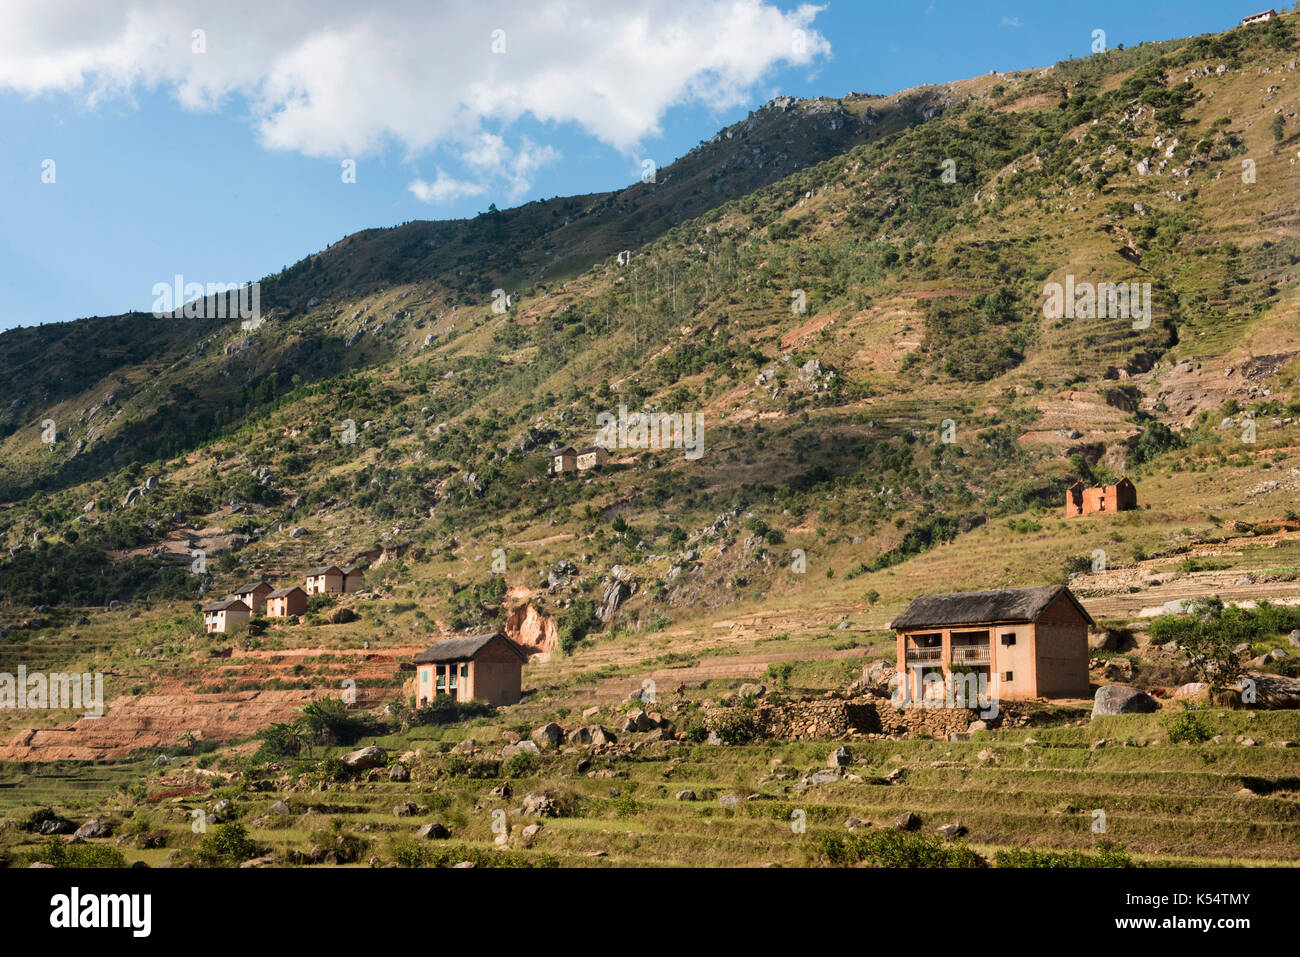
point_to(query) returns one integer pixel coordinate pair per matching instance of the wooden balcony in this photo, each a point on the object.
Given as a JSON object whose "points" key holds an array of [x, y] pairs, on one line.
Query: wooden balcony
{"points": [[961, 654]]}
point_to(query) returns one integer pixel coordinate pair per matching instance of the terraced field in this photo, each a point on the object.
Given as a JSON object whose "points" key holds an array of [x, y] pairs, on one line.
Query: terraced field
{"points": [[1041, 789]]}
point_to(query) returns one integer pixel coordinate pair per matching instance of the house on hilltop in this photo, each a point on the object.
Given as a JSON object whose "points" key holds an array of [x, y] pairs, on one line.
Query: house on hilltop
{"points": [[253, 595], [1119, 497], [487, 667], [563, 460], [1027, 642], [591, 457], [222, 616], [286, 602], [1258, 17]]}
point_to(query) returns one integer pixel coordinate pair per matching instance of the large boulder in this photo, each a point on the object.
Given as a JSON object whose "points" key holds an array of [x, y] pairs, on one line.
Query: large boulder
{"points": [[548, 735], [600, 736], [93, 828], [1275, 691], [365, 758], [1121, 699]]}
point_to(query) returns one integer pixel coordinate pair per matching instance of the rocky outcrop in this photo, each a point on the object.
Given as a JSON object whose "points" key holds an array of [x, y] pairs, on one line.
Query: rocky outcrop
{"points": [[532, 630]]}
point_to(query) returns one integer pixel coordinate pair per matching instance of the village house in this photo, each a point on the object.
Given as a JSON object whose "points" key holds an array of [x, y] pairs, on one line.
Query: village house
{"points": [[564, 460], [332, 580], [591, 457], [1258, 17], [222, 616], [286, 602], [486, 668], [1119, 497], [253, 595], [1026, 642], [323, 580]]}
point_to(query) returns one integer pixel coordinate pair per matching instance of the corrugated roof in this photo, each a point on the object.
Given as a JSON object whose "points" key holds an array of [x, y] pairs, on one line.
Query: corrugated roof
{"points": [[222, 605], [460, 649], [982, 607]]}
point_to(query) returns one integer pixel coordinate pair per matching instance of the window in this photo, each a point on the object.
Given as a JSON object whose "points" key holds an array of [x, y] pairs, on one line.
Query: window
{"points": [[424, 677], [464, 670], [1009, 639], [1007, 676]]}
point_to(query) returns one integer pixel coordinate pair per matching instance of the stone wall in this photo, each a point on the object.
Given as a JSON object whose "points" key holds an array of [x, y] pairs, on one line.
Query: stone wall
{"points": [[835, 718]]}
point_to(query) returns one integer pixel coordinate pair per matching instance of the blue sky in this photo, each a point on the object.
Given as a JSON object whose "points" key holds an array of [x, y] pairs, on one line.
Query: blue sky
{"points": [[224, 164]]}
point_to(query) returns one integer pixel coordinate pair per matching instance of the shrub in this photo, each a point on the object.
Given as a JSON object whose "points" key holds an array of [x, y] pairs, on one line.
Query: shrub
{"points": [[1107, 856], [1187, 728], [519, 765], [897, 849], [733, 727], [228, 844], [58, 854]]}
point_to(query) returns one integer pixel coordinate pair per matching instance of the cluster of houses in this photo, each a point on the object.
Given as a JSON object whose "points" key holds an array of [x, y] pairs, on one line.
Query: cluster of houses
{"points": [[1023, 642], [259, 598], [567, 460]]}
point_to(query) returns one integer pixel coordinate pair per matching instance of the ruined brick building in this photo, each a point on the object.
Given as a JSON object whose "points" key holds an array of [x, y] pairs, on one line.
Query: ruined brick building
{"points": [[1106, 498]]}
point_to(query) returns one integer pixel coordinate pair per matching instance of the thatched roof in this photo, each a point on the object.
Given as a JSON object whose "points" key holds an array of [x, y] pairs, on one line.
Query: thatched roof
{"points": [[250, 587], [285, 592], [1005, 605], [321, 570], [462, 649]]}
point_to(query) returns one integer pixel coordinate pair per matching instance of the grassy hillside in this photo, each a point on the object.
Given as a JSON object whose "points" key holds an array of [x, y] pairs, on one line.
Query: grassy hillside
{"points": [[850, 293]]}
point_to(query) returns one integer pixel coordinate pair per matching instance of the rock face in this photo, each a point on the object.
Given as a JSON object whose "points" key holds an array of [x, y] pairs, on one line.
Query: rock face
{"points": [[1121, 699], [531, 630], [615, 593]]}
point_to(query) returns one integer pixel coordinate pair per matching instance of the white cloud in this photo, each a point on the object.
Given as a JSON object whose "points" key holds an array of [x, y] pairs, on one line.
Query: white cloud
{"points": [[338, 78], [1011, 21], [444, 189]]}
